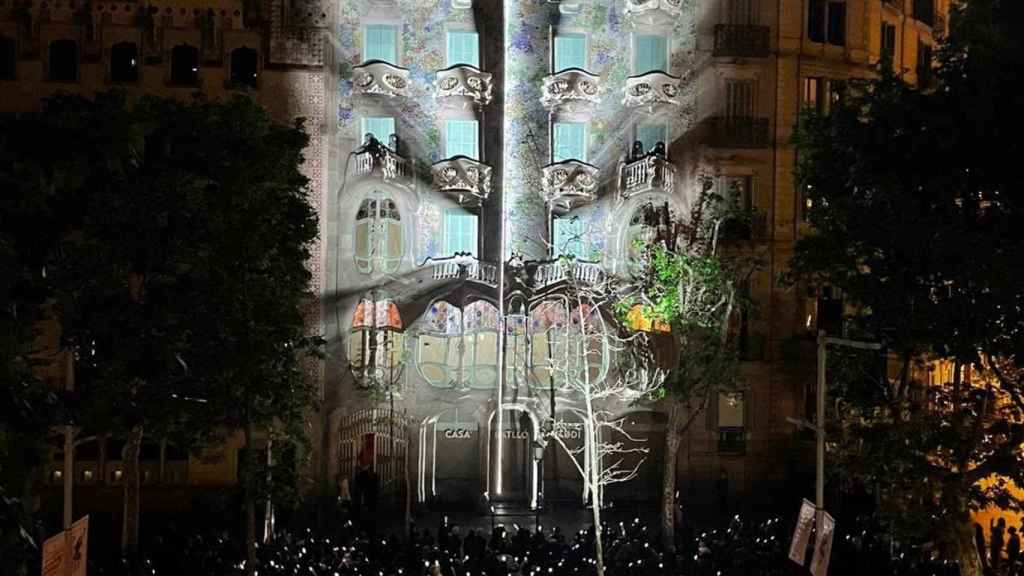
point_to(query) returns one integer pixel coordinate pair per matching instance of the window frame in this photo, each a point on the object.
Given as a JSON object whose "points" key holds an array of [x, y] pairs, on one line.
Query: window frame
{"points": [[379, 228], [579, 230], [449, 61], [555, 68], [584, 144], [820, 29], [449, 123], [395, 28], [634, 46], [447, 238]]}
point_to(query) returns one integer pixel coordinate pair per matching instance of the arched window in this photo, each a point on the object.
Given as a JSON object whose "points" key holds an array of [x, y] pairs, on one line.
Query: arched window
{"points": [[63, 61], [124, 62], [564, 345], [184, 65], [376, 343], [459, 348], [243, 67], [378, 242], [8, 55]]}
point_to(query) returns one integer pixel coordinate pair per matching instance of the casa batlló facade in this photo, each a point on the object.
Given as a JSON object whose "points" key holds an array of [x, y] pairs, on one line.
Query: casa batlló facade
{"points": [[460, 150]]}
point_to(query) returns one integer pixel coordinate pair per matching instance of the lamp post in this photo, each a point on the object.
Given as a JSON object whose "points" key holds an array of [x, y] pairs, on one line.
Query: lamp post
{"points": [[819, 425]]}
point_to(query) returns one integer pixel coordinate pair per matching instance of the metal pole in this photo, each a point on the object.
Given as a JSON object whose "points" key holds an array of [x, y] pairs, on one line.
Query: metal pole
{"points": [[69, 443], [819, 481]]}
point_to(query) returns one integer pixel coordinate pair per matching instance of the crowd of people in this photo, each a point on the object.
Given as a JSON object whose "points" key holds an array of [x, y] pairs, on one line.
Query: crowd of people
{"points": [[1001, 556], [741, 548]]}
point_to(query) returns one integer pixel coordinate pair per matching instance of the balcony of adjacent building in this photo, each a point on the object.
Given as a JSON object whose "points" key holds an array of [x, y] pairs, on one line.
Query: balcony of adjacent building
{"points": [[380, 79], [737, 132], [463, 86], [464, 179], [573, 90], [653, 13], [568, 184], [646, 173], [653, 92], [742, 41], [374, 159]]}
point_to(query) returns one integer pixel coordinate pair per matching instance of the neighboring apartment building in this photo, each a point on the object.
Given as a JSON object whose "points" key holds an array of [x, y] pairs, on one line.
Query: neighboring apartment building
{"points": [[504, 136], [175, 48]]}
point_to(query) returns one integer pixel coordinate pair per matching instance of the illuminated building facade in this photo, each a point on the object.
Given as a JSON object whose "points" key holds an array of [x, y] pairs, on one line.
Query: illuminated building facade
{"points": [[502, 135]]}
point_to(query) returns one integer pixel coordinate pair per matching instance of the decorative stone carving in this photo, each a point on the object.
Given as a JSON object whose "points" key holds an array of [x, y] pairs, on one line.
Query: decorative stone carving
{"points": [[568, 184], [380, 78], [653, 90], [463, 86], [465, 179], [650, 13], [571, 90], [651, 172]]}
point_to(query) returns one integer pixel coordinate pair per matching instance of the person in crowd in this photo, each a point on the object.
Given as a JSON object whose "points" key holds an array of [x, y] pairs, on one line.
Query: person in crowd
{"points": [[1012, 551], [996, 537], [979, 543]]}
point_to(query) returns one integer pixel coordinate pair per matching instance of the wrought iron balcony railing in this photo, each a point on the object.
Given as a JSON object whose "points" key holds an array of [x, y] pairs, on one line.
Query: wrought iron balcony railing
{"points": [[732, 440], [741, 41], [651, 172], [463, 86], [649, 13], [467, 180], [572, 90], [737, 132], [651, 90], [379, 78], [569, 183]]}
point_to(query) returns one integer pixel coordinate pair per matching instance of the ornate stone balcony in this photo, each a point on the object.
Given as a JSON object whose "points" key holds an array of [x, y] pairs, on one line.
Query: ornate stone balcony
{"points": [[463, 86], [467, 180], [571, 90], [653, 90], [379, 161], [463, 266], [581, 271], [653, 12], [652, 172], [741, 41], [568, 184], [379, 78]]}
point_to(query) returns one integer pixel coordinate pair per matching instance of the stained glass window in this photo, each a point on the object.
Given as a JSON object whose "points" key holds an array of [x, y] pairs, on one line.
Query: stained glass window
{"points": [[378, 236], [459, 348], [376, 343]]}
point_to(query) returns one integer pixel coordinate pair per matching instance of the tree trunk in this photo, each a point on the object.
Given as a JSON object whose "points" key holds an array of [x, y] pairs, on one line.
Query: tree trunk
{"points": [[130, 524], [967, 552], [668, 487], [595, 489], [250, 503]]}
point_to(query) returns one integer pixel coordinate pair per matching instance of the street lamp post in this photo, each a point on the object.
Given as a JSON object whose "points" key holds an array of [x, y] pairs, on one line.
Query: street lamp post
{"points": [[819, 424]]}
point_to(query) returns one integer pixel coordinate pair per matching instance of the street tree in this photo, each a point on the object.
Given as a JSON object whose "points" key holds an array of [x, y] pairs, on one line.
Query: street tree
{"points": [[914, 214], [609, 453], [689, 296], [255, 370]]}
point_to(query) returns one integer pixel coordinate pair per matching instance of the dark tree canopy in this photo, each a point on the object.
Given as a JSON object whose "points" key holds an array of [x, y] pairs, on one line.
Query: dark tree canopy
{"points": [[914, 205]]}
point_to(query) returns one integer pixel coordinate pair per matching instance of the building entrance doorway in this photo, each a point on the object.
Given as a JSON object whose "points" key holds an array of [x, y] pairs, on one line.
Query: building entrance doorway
{"points": [[511, 466]]}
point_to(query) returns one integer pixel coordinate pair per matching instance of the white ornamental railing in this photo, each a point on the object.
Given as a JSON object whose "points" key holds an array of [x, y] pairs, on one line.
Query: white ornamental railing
{"points": [[652, 172]]}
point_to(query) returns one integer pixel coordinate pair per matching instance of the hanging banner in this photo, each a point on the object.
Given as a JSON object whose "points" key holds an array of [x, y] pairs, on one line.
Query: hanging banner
{"points": [[823, 545], [53, 555], [802, 533], [66, 553], [78, 546]]}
